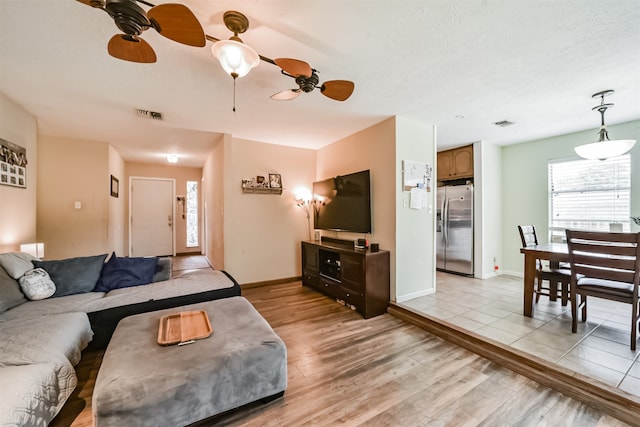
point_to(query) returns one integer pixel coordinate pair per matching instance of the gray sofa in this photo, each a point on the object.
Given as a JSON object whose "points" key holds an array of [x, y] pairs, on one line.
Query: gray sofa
{"points": [[42, 340]]}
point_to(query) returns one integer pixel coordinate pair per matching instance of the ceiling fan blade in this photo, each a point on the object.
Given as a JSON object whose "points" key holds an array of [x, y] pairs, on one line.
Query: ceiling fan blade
{"points": [[286, 95], [177, 22], [93, 3], [295, 67], [339, 90], [134, 49]]}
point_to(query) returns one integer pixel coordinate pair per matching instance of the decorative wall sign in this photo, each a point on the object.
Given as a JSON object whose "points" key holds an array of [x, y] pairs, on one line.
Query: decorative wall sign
{"points": [[13, 164]]}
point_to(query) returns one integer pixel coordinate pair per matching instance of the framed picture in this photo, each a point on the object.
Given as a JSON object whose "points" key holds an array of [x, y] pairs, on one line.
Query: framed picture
{"points": [[260, 181], [13, 164], [275, 180], [115, 186]]}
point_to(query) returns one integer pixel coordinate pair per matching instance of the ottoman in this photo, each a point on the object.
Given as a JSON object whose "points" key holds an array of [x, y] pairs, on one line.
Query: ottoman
{"points": [[141, 383]]}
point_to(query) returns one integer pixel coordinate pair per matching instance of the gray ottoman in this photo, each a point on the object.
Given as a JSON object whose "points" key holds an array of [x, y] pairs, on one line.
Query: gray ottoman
{"points": [[141, 383]]}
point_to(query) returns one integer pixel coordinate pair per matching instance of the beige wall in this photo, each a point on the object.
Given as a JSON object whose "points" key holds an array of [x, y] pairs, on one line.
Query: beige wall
{"points": [[181, 175], [18, 206], [72, 171], [262, 232], [374, 149], [213, 203], [117, 231]]}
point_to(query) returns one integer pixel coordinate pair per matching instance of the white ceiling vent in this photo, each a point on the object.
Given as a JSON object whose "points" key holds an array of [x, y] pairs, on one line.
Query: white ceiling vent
{"points": [[503, 123], [146, 114]]}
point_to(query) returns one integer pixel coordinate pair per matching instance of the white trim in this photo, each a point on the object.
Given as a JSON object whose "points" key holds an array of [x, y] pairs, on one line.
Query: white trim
{"points": [[517, 274], [412, 295]]}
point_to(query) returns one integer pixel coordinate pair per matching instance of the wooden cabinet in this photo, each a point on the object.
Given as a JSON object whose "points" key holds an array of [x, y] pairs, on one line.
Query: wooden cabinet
{"points": [[456, 163], [357, 278]]}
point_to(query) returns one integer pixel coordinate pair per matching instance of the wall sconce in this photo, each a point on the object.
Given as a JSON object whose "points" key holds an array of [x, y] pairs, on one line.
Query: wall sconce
{"points": [[34, 249]]}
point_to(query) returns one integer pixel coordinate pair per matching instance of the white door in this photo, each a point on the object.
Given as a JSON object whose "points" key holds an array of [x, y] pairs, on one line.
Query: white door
{"points": [[151, 217]]}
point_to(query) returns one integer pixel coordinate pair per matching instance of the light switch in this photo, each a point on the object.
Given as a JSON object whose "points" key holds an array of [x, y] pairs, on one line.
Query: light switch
{"points": [[77, 205]]}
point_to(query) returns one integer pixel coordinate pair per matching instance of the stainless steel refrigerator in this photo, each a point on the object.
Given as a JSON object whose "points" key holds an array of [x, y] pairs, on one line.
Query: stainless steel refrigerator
{"points": [[454, 229]]}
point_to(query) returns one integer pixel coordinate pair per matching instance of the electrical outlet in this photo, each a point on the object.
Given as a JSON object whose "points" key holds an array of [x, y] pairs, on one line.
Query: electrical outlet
{"points": [[77, 205]]}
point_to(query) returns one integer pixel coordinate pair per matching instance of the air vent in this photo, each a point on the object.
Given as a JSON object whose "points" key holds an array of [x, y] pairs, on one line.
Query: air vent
{"points": [[503, 123], [146, 114]]}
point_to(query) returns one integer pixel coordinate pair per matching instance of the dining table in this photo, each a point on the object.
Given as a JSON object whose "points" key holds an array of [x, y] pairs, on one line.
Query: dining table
{"points": [[555, 253]]}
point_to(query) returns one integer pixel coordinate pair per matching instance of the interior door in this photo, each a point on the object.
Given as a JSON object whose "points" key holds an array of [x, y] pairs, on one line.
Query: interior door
{"points": [[151, 217]]}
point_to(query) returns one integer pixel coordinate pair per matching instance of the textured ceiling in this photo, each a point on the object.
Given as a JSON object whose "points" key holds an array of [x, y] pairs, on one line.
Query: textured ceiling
{"points": [[461, 65]]}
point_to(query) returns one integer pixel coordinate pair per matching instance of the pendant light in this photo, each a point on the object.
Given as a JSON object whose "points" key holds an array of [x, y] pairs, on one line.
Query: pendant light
{"points": [[604, 148]]}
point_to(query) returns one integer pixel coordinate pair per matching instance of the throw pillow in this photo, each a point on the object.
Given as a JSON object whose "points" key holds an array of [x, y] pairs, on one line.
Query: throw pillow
{"points": [[10, 294], [73, 275], [36, 284], [124, 272], [16, 263]]}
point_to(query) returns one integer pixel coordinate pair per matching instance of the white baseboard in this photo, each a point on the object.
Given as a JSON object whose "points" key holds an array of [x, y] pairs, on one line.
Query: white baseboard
{"points": [[412, 295], [517, 274], [488, 276]]}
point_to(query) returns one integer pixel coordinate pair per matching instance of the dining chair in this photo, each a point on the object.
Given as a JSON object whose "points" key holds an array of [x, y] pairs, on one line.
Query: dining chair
{"points": [[555, 276], [604, 265]]}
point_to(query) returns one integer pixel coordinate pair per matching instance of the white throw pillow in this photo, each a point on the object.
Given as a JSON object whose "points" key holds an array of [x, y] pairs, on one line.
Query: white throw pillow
{"points": [[36, 284], [16, 263]]}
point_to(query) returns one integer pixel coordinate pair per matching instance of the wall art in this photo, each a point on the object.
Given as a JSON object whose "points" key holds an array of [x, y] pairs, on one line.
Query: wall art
{"points": [[13, 164]]}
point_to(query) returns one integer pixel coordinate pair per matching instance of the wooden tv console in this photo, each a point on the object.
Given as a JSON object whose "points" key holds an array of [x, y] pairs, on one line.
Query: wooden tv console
{"points": [[358, 278]]}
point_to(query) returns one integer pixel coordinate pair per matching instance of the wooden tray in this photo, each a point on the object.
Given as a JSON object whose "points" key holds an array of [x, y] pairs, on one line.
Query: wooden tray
{"points": [[184, 327]]}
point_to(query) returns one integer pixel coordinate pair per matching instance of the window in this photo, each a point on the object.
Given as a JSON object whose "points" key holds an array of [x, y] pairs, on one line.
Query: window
{"points": [[589, 195], [192, 214]]}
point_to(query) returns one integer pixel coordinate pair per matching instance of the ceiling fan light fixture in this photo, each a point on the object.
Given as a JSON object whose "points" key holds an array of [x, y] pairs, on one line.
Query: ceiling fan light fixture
{"points": [[604, 148], [235, 57]]}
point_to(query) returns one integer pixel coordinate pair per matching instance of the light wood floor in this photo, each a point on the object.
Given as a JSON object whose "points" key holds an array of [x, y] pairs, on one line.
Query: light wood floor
{"points": [[346, 370]]}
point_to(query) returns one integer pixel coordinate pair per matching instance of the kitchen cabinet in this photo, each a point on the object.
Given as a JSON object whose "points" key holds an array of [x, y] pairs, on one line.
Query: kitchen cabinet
{"points": [[456, 163]]}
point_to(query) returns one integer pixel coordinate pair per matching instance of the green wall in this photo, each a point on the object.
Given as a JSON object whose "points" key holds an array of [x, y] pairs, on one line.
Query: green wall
{"points": [[524, 184]]}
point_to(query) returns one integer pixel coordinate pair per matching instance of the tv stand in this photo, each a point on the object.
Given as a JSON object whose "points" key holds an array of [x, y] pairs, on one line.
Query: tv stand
{"points": [[336, 241], [356, 278]]}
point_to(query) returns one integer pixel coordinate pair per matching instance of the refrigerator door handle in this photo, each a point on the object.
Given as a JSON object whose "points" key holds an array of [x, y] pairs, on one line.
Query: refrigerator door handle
{"points": [[445, 220]]}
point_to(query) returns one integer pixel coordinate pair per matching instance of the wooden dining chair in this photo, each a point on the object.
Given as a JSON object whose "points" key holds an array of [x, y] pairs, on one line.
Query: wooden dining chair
{"points": [[555, 276], [609, 265]]}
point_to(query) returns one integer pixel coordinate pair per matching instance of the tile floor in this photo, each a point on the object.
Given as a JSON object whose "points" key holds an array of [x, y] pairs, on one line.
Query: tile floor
{"points": [[493, 308]]}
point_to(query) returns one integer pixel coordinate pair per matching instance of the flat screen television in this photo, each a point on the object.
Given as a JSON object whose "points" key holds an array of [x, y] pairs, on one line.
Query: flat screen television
{"points": [[344, 203]]}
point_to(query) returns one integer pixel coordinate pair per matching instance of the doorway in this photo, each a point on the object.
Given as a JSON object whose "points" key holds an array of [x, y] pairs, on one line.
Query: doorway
{"points": [[151, 210]]}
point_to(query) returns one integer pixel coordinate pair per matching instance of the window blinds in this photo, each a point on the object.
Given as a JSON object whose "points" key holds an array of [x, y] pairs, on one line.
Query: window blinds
{"points": [[589, 195]]}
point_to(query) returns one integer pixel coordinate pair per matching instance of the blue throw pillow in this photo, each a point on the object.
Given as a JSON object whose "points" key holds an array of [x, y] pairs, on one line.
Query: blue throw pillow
{"points": [[124, 272], [73, 275]]}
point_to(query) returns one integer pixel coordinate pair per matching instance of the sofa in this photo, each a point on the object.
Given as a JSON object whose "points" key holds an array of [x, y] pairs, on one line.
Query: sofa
{"points": [[43, 336]]}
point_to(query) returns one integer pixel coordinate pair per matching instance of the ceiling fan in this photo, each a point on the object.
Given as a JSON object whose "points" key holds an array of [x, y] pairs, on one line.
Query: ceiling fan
{"points": [[178, 23], [307, 80], [172, 20]]}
